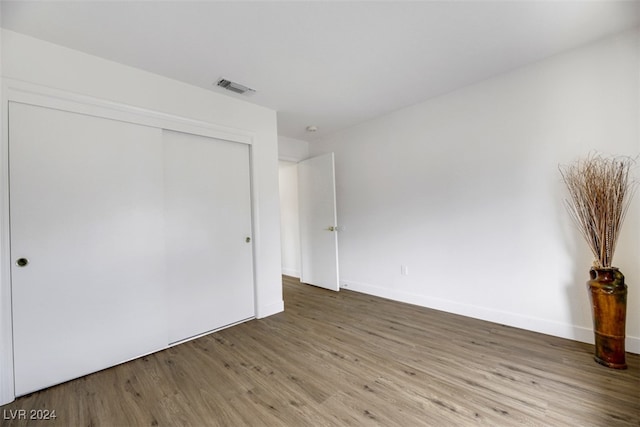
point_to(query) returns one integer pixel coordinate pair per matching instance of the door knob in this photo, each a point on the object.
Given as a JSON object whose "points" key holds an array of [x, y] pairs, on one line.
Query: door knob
{"points": [[22, 262], [248, 239], [332, 228]]}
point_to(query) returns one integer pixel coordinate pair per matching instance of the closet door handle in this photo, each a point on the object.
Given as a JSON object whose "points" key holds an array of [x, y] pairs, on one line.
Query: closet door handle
{"points": [[22, 262]]}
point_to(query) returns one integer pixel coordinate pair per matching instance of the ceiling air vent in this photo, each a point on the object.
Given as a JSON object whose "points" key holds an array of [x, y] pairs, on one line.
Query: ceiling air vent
{"points": [[235, 87]]}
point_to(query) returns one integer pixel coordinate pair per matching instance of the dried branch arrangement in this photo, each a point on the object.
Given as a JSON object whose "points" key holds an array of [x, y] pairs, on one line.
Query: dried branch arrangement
{"points": [[601, 191]]}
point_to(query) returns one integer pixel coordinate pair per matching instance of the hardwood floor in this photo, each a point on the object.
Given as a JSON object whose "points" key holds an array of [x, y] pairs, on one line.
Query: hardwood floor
{"points": [[334, 359]]}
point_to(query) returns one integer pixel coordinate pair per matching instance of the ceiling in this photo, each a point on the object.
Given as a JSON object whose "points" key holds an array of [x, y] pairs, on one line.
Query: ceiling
{"points": [[332, 64]]}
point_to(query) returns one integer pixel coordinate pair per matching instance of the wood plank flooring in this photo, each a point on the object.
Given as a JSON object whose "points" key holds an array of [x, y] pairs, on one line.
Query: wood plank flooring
{"points": [[349, 359]]}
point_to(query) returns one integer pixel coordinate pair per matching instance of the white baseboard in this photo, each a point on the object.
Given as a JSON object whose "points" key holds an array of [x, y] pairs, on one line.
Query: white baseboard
{"points": [[558, 329], [269, 310], [291, 272]]}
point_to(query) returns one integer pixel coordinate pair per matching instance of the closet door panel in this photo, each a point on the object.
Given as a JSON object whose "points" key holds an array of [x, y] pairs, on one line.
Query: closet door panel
{"points": [[86, 209], [208, 234]]}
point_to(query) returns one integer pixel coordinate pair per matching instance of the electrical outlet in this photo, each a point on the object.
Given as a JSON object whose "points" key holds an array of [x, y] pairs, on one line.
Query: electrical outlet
{"points": [[404, 270]]}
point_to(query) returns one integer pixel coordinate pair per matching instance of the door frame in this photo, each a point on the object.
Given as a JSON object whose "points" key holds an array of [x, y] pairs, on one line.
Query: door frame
{"points": [[27, 93]]}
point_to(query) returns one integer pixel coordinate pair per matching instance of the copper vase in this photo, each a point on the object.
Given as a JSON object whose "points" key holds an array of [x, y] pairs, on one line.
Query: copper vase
{"points": [[608, 295]]}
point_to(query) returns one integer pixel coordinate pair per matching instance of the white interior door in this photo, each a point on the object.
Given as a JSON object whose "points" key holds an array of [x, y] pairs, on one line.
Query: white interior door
{"points": [[208, 233], [318, 223], [86, 204]]}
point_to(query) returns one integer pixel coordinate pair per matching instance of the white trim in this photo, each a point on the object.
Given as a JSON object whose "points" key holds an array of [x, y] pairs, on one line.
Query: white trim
{"points": [[7, 389], [255, 235], [291, 159], [195, 337], [270, 309], [291, 272], [27, 93], [557, 329]]}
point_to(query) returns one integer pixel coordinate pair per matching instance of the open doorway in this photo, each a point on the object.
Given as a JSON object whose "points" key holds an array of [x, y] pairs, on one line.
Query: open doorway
{"points": [[289, 218], [308, 226]]}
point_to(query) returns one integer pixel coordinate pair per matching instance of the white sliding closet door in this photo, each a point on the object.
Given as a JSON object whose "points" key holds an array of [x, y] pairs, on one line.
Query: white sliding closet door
{"points": [[208, 233], [86, 205]]}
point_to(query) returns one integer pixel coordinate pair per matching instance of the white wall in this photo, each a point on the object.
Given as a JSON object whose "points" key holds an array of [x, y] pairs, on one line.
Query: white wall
{"points": [[464, 190], [289, 225], [41, 63], [6, 362], [292, 149]]}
